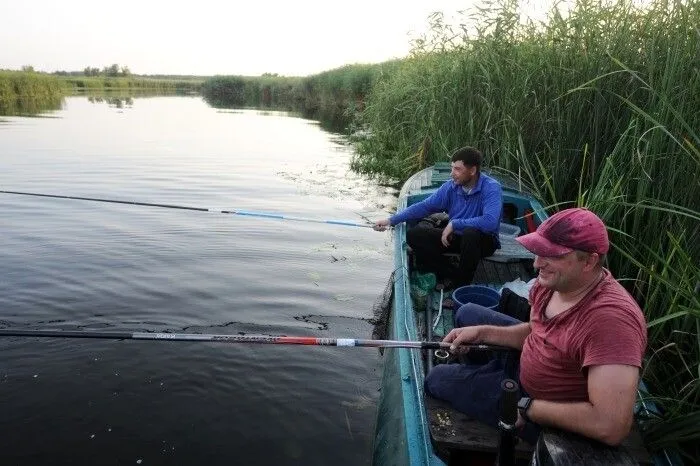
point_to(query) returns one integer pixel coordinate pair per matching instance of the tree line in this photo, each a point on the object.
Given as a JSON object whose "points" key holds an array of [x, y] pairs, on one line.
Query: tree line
{"points": [[112, 71]]}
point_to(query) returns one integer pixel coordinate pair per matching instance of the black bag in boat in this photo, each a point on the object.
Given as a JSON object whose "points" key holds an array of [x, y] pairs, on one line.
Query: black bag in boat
{"points": [[438, 220], [514, 305]]}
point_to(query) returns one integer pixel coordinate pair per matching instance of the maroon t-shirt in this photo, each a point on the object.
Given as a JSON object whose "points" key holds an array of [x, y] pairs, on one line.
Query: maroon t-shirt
{"points": [[605, 327]]}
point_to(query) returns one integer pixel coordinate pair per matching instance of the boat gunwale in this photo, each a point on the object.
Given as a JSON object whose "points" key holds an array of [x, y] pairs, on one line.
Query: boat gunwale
{"points": [[418, 440]]}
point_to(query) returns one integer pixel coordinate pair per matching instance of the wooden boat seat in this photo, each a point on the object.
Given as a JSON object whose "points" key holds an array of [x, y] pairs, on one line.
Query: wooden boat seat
{"points": [[501, 267], [510, 251], [580, 450], [453, 431]]}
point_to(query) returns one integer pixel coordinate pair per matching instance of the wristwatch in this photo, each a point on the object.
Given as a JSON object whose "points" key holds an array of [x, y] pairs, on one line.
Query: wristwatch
{"points": [[523, 405]]}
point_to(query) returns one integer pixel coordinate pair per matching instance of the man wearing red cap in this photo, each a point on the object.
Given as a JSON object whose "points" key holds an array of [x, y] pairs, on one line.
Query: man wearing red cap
{"points": [[581, 350]]}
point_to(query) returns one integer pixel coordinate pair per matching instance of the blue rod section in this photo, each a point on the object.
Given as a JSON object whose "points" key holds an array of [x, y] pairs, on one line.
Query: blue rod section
{"points": [[199, 209]]}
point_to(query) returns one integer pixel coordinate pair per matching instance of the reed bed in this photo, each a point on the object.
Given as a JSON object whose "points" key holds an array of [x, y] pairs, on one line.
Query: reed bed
{"points": [[28, 93], [132, 83], [334, 97], [598, 108]]}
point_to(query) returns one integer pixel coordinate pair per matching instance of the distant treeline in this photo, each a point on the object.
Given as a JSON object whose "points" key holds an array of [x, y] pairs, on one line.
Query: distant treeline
{"points": [[335, 97]]}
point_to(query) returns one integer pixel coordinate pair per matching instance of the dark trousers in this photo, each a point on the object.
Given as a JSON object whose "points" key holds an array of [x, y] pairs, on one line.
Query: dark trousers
{"points": [[474, 388], [472, 245]]}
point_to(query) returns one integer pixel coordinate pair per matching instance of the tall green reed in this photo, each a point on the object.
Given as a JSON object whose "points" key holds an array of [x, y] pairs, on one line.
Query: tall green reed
{"points": [[131, 83], [334, 96], [596, 108], [29, 93]]}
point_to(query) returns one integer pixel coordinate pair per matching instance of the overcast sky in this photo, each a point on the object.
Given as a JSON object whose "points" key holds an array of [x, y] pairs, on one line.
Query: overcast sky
{"points": [[206, 37]]}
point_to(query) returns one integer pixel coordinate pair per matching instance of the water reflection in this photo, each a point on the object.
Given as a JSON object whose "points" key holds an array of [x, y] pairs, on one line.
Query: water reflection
{"points": [[335, 121], [332, 122], [30, 106], [41, 107], [112, 101]]}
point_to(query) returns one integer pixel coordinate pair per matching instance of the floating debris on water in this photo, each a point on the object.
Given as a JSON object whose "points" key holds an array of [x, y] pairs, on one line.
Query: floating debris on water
{"points": [[324, 247], [315, 277], [361, 402], [347, 421], [324, 322], [343, 297], [309, 319]]}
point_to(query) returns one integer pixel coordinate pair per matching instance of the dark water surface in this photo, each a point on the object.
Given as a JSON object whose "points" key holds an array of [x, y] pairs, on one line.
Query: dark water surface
{"points": [[90, 266]]}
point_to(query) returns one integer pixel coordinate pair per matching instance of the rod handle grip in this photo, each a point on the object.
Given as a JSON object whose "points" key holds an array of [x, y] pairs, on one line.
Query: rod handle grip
{"points": [[509, 401]]}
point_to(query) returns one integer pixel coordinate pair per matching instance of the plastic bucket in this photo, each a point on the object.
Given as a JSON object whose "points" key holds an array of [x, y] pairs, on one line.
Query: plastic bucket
{"points": [[481, 295]]}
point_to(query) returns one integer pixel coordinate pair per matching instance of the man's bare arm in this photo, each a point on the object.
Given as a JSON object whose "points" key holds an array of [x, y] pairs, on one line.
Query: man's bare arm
{"points": [[607, 416], [511, 336]]}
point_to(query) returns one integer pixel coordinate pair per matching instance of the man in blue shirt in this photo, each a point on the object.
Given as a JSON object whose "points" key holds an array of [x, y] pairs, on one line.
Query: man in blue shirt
{"points": [[474, 204]]}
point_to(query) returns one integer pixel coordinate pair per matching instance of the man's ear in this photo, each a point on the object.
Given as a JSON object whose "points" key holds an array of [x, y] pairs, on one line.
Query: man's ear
{"points": [[592, 259]]}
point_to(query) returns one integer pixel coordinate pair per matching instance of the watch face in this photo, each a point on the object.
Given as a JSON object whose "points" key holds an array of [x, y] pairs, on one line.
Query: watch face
{"points": [[524, 403]]}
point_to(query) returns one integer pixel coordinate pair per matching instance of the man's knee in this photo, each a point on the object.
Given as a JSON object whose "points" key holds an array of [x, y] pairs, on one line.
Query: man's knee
{"points": [[424, 238], [471, 240], [434, 381], [471, 389], [477, 243], [446, 382], [412, 234], [471, 235], [472, 314], [416, 234]]}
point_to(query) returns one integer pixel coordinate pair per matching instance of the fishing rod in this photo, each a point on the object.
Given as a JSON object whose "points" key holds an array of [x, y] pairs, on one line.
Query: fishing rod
{"points": [[259, 339], [248, 213]]}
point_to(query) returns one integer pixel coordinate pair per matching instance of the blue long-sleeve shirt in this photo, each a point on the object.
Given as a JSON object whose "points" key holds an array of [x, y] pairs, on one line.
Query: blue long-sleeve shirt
{"points": [[481, 208]]}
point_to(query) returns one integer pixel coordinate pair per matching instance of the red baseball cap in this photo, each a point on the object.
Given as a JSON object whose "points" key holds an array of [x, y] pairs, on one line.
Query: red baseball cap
{"points": [[565, 231]]}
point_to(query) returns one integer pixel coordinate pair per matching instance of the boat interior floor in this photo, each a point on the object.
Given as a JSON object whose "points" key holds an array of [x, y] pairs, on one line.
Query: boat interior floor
{"points": [[489, 272], [456, 436]]}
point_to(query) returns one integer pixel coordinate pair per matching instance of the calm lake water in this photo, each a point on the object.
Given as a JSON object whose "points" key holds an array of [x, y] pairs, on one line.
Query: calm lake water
{"points": [[76, 265]]}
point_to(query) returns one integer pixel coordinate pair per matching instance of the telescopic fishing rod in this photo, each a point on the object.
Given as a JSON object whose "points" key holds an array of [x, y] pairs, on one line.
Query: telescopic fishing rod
{"points": [[248, 213], [259, 339]]}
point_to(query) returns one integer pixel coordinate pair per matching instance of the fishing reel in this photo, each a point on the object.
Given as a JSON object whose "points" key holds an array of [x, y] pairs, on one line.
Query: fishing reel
{"points": [[442, 356]]}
